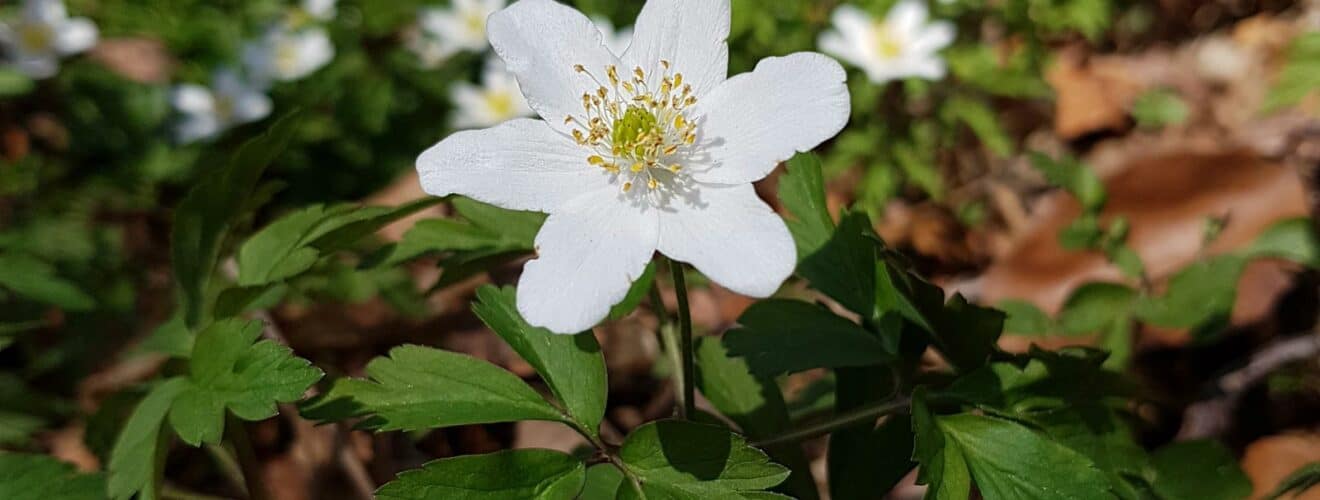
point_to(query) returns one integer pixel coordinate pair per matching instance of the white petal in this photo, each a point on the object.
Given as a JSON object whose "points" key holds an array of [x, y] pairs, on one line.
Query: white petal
{"points": [[934, 37], [193, 128], [38, 66], [907, 16], [835, 44], [856, 25], [541, 41], [323, 10], [44, 11], [75, 35], [251, 106], [191, 98], [756, 120], [588, 254], [732, 237], [519, 165], [690, 34]]}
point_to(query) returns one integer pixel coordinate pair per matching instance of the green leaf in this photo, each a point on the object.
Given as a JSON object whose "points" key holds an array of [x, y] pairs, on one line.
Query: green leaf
{"points": [[1198, 470], [572, 365], [603, 482], [229, 372], [488, 231], [240, 300], [1300, 76], [207, 213], [37, 280], [530, 474], [943, 468], [1199, 297], [638, 291], [802, 192], [14, 83], [1292, 239], [844, 267], [756, 406], [983, 121], [419, 388], [781, 336], [965, 333], [864, 459], [139, 450], [988, 68], [685, 460], [1024, 318], [1049, 381], [1298, 482], [1158, 108], [39, 477], [1070, 174], [1093, 307], [1005, 459], [1100, 434]]}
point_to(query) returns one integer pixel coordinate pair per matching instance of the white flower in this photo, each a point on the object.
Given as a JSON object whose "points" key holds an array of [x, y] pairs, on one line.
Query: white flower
{"points": [[652, 149], [320, 10], [903, 45], [496, 101], [35, 43], [206, 112], [616, 41], [283, 54], [444, 32]]}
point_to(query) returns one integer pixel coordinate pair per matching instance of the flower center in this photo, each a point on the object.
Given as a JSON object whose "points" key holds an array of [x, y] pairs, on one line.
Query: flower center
{"points": [[888, 44], [36, 37], [499, 103], [640, 134]]}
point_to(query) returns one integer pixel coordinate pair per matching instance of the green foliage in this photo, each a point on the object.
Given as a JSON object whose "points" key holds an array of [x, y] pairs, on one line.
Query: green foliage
{"points": [[1198, 469], [1070, 174], [530, 474], [37, 280], [419, 388], [14, 84], [1300, 76], [230, 372], [672, 459], [39, 477], [1158, 108], [786, 336], [572, 365], [204, 218], [138, 453]]}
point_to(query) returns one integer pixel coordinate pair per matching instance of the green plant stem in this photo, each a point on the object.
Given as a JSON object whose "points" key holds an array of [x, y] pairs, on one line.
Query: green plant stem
{"points": [[686, 373], [247, 457], [842, 420]]}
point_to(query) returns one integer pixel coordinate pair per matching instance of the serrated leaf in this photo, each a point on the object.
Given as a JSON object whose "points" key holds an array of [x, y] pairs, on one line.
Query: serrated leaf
{"points": [[1050, 380], [1005, 460], [802, 192], [966, 333], [1070, 174], [1198, 470], [137, 450], [487, 231], [39, 477], [780, 336], [844, 266], [757, 406], [1100, 434], [418, 388], [1199, 297], [37, 280], [675, 459], [531, 474], [572, 365], [204, 217], [230, 372]]}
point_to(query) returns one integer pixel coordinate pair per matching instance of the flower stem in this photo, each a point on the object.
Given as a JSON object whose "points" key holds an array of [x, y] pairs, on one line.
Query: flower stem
{"points": [[846, 419], [685, 372], [247, 457]]}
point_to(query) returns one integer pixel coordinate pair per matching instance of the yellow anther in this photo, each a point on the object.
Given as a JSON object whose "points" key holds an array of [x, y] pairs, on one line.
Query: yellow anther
{"points": [[680, 122], [579, 68], [652, 183], [675, 168], [664, 63], [690, 139], [613, 74], [602, 92], [611, 168], [629, 87], [595, 160], [671, 150], [690, 101], [627, 186], [638, 167], [579, 136], [678, 80], [638, 73], [568, 119]]}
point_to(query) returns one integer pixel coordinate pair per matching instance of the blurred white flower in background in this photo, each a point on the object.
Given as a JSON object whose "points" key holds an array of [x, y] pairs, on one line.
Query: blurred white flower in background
{"points": [[444, 31], [207, 112], [497, 100], [320, 10], [285, 54], [35, 43], [616, 41], [902, 45]]}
